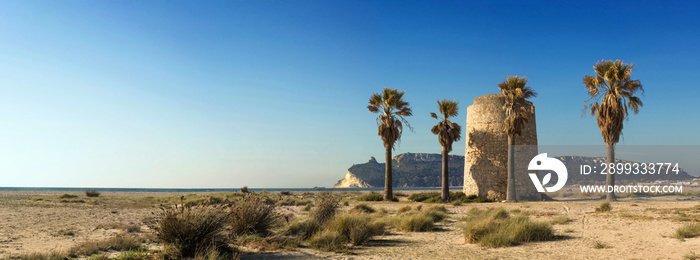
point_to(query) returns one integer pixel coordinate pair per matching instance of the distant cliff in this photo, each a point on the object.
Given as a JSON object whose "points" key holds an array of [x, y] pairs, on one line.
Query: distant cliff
{"points": [[424, 170], [409, 170]]}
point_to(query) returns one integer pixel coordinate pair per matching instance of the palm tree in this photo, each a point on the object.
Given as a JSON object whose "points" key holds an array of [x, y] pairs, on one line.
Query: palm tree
{"points": [[391, 109], [517, 115], [612, 92], [448, 132]]}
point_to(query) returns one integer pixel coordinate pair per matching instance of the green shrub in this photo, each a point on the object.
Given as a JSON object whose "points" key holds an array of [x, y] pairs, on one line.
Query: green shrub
{"points": [[303, 228], [437, 213], [244, 189], [416, 222], [604, 207], [364, 208], [371, 197], [192, 229], [285, 193], [326, 208], [436, 197], [118, 242], [358, 228], [307, 207], [420, 197], [688, 231], [329, 240], [560, 220], [92, 193], [68, 196], [496, 228], [253, 215], [403, 209]]}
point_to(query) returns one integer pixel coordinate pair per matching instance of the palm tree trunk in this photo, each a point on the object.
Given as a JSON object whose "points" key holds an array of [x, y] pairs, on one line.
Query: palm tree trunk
{"points": [[388, 192], [510, 195], [610, 179], [445, 175]]}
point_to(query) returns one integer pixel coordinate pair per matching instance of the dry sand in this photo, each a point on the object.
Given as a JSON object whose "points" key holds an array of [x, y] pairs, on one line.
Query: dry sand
{"points": [[635, 229]]}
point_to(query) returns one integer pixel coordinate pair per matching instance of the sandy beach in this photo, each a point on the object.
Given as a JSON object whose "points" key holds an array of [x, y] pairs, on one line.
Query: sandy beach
{"points": [[636, 228]]}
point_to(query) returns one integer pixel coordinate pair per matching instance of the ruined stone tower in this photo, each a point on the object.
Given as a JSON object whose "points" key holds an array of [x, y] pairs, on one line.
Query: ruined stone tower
{"points": [[486, 155]]}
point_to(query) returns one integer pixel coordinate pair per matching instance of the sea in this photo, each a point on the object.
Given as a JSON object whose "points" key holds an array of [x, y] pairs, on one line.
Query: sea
{"points": [[209, 189]]}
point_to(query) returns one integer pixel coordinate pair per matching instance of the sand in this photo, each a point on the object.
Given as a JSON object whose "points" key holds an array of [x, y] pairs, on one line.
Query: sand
{"points": [[635, 229]]}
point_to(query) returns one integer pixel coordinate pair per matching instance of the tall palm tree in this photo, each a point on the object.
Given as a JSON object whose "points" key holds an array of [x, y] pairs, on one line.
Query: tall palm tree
{"points": [[612, 93], [391, 109], [447, 132], [517, 115]]}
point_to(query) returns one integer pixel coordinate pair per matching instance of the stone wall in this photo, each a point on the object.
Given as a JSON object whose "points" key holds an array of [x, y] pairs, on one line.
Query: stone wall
{"points": [[486, 155]]}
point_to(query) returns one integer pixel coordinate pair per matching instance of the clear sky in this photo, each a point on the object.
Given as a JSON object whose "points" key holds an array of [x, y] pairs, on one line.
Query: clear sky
{"points": [[209, 94]]}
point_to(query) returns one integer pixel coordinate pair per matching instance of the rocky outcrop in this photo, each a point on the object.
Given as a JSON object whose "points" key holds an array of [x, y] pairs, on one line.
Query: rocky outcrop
{"points": [[351, 181], [409, 170]]}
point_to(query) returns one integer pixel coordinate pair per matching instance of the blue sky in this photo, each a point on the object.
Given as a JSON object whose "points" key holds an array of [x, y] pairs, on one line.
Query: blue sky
{"points": [[209, 94]]}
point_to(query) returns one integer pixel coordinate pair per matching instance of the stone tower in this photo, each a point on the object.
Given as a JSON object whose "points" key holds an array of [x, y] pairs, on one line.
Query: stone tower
{"points": [[486, 155]]}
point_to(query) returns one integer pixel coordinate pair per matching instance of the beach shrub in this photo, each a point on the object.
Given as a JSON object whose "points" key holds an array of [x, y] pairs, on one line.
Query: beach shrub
{"points": [[403, 209], [373, 196], [253, 215], [436, 197], [436, 213], [688, 231], [192, 229], [285, 193], [560, 220], [92, 193], [600, 245], [303, 229], [364, 208], [329, 240], [357, 228], [496, 228], [326, 209], [415, 222], [68, 196], [244, 189], [604, 207]]}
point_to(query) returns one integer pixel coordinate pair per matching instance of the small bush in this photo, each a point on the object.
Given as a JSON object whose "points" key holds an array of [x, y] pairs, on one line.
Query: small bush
{"points": [[92, 193], [192, 229], [119, 243], [329, 240], [436, 197], [304, 228], [403, 209], [326, 208], [68, 196], [357, 228], [307, 207], [364, 208], [253, 215], [560, 220], [600, 245], [420, 197], [416, 222], [244, 189], [285, 193], [346, 203], [437, 213], [688, 231], [496, 228], [604, 207], [371, 197]]}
